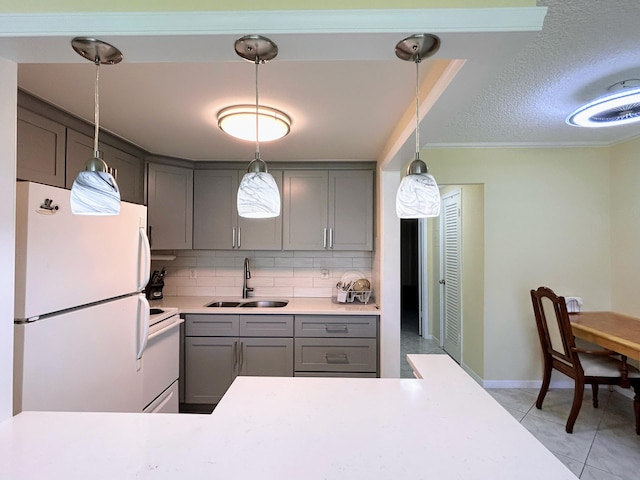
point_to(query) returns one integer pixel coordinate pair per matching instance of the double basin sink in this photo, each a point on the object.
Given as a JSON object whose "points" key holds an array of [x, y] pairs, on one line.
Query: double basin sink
{"points": [[249, 303]]}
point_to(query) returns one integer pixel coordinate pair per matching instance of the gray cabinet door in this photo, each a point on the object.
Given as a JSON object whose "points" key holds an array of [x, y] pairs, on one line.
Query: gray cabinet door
{"points": [[214, 209], [128, 172], [217, 225], [170, 202], [40, 149], [261, 233], [266, 357], [351, 210], [210, 367], [126, 168], [305, 210]]}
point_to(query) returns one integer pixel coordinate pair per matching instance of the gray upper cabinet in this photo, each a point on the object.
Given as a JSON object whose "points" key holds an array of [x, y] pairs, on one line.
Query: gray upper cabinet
{"points": [[170, 207], [350, 217], [305, 196], [217, 225], [40, 149], [126, 168], [328, 210]]}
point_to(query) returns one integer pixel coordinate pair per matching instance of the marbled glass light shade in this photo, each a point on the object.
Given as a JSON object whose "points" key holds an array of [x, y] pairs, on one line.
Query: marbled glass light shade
{"points": [[418, 197], [258, 196], [95, 193]]}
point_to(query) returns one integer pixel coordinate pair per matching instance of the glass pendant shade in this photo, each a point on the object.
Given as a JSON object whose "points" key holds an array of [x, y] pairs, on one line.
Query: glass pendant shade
{"points": [[418, 195], [258, 194], [95, 191]]}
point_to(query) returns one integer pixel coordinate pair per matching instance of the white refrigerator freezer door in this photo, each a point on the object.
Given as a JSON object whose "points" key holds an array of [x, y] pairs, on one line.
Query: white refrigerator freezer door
{"points": [[83, 360], [65, 260]]}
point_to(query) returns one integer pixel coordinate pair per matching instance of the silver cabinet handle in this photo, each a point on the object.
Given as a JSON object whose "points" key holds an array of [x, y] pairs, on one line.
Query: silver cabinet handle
{"points": [[150, 238], [235, 353], [336, 329], [331, 238], [324, 238], [336, 358], [239, 237], [233, 237], [241, 356]]}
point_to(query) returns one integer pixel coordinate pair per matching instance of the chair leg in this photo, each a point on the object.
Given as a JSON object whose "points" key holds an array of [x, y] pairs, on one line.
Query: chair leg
{"points": [[636, 404], [546, 380], [594, 389], [575, 408]]}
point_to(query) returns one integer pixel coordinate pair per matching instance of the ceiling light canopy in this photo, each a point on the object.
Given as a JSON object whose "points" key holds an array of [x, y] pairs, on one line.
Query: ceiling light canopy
{"points": [[95, 191], [240, 121], [418, 195], [620, 107], [258, 194]]}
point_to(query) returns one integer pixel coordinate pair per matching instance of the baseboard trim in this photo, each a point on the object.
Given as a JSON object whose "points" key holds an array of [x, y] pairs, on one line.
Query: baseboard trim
{"points": [[525, 384]]}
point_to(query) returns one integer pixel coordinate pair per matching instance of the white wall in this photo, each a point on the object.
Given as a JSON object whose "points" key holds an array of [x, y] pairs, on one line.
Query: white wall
{"points": [[8, 98], [625, 227], [546, 223]]}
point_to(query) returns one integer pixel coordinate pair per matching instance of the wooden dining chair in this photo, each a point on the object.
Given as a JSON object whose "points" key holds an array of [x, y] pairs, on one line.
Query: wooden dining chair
{"points": [[559, 352]]}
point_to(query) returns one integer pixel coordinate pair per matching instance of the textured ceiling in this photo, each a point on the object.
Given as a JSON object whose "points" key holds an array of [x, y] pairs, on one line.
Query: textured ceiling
{"points": [[584, 47]]}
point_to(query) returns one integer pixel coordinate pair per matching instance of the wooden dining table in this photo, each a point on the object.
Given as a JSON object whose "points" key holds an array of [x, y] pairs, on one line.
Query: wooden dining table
{"points": [[614, 331]]}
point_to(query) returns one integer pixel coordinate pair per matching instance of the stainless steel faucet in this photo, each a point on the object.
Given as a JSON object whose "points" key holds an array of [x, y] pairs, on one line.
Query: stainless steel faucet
{"points": [[246, 276]]}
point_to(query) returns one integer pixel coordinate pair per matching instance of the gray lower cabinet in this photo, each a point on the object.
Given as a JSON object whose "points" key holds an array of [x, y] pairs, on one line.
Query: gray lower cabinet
{"points": [[220, 347], [40, 149], [332, 345], [170, 207], [217, 225], [328, 210]]}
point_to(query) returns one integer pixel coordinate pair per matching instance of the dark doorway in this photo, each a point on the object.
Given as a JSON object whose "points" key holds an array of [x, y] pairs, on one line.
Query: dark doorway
{"points": [[409, 268]]}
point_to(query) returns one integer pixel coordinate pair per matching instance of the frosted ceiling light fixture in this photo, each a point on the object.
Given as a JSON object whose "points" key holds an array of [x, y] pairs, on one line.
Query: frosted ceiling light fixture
{"points": [[620, 107], [240, 121], [418, 195], [95, 191], [258, 194]]}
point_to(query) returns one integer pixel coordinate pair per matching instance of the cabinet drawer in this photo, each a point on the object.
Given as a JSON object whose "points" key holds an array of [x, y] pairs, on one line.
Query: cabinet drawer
{"points": [[336, 374], [266, 325], [335, 355], [211, 325], [336, 326]]}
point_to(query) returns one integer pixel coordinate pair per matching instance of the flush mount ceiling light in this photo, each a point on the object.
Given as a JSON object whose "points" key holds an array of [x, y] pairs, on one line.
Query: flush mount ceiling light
{"points": [[240, 121], [95, 191], [620, 107], [418, 195], [258, 194]]}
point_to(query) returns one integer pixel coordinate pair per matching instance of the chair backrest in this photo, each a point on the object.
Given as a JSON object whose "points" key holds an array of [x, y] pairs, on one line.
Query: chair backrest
{"points": [[554, 329]]}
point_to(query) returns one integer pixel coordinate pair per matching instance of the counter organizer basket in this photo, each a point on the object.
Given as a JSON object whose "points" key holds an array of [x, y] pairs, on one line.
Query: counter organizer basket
{"points": [[349, 289]]}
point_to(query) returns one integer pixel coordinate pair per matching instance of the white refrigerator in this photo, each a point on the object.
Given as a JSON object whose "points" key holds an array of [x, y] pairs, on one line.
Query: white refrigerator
{"points": [[80, 319]]}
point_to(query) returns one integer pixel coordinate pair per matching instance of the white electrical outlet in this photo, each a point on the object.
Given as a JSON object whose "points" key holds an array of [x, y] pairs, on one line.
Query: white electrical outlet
{"points": [[192, 273], [324, 272]]}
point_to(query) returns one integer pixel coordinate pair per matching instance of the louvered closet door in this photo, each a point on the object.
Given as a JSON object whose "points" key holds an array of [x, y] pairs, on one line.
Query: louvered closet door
{"points": [[451, 291]]}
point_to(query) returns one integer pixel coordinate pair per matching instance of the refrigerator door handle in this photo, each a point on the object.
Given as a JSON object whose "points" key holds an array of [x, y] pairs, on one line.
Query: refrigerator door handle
{"points": [[145, 260], [143, 316]]}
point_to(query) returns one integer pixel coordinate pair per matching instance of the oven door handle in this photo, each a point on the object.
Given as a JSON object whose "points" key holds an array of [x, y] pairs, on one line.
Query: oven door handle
{"points": [[174, 324]]}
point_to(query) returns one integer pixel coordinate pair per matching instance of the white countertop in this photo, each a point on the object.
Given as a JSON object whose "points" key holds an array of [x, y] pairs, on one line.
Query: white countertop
{"points": [[296, 305], [445, 427]]}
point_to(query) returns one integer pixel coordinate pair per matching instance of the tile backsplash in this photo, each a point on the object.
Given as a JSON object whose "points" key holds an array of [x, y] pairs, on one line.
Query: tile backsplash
{"points": [[218, 273]]}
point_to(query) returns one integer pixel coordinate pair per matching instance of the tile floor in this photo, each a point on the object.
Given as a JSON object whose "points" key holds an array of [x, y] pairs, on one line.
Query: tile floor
{"points": [[603, 445]]}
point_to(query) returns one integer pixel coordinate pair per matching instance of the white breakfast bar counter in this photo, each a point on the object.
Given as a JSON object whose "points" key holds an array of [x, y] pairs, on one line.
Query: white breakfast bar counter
{"points": [[444, 426]]}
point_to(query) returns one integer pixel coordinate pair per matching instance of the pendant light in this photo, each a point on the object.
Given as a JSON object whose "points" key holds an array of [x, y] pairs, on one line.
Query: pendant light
{"points": [[95, 191], [418, 195], [258, 194]]}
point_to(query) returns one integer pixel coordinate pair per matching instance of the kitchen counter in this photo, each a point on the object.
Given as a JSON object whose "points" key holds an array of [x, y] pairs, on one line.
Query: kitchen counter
{"points": [[444, 426], [297, 305]]}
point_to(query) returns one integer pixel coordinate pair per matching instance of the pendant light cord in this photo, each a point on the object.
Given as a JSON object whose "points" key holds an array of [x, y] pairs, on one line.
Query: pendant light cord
{"points": [[257, 134], [96, 117], [417, 62]]}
